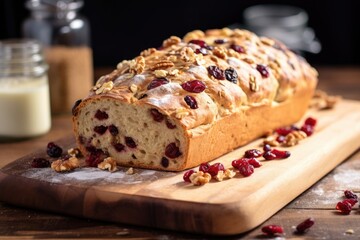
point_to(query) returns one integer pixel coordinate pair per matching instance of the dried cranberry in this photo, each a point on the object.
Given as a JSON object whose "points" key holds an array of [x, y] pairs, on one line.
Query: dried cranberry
{"points": [[201, 43], [187, 175], [164, 162], [310, 121], [216, 72], [268, 155], [245, 168], [252, 153], [119, 147], [129, 141], [350, 194], [157, 116], [346, 205], [263, 70], [231, 75], [308, 129], [237, 48], [170, 125], [53, 150], [204, 167], [215, 168], [77, 103], [198, 42], [254, 162], [220, 41], [280, 154], [100, 129], [305, 225], [266, 148], [172, 151], [283, 131], [191, 102], [100, 115], [157, 82], [194, 86], [113, 130], [272, 229], [40, 163], [95, 158], [203, 51]]}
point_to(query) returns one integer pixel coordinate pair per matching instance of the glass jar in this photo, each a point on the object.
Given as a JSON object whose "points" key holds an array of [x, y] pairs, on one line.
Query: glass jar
{"points": [[66, 38], [24, 90]]}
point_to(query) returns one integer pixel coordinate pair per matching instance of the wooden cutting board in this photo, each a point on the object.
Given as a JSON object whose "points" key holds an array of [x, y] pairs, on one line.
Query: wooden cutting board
{"points": [[164, 200]]}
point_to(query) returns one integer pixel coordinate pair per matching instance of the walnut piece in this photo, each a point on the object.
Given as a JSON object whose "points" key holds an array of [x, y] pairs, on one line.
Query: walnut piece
{"points": [[294, 137], [171, 41], [65, 165], [187, 54], [133, 88], [105, 87], [254, 87], [271, 140], [196, 34], [163, 64], [221, 175], [200, 178], [321, 100], [181, 113], [148, 52], [220, 52], [160, 73], [137, 65], [130, 171], [108, 164], [74, 152]]}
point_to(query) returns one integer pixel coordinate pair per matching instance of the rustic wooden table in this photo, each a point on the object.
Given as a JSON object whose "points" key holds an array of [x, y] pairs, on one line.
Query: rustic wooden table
{"points": [[318, 202]]}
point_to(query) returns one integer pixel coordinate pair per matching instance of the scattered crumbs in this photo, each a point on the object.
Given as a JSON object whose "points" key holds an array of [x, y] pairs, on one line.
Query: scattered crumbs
{"points": [[130, 171], [90, 176], [349, 231]]}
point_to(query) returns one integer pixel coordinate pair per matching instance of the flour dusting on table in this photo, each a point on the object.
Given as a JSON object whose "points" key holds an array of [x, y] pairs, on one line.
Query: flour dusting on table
{"points": [[96, 176]]}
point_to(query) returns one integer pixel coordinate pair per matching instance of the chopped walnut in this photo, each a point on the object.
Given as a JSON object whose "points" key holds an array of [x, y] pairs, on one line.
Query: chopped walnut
{"points": [[221, 175], [105, 87], [321, 100], [108, 164], [248, 60], [163, 64], [294, 137], [196, 34], [187, 54], [253, 84], [148, 52], [200, 178], [160, 73], [173, 72], [133, 88], [214, 58], [74, 152], [271, 140], [65, 165], [123, 66], [181, 113], [171, 41], [199, 60], [220, 52], [130, 171], [172, 58], [137, 65]]}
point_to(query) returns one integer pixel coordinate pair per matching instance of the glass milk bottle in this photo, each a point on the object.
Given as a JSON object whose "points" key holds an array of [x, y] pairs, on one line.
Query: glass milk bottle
{"points": [[65, 35], [24, 90]]}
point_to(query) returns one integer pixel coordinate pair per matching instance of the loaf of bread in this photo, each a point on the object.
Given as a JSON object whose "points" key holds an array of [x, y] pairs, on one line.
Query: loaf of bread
{"points": [[192, 100]]}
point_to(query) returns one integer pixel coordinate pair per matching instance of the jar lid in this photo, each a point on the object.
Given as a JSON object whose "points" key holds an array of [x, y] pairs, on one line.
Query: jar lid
{"points": [[54, 5]]}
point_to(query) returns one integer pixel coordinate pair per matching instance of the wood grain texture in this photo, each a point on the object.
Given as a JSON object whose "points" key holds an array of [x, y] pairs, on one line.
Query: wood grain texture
{"points": [[163, 200]]}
